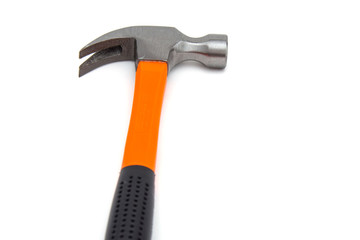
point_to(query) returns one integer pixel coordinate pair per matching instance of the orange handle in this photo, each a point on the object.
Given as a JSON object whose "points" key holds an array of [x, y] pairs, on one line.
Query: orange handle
{"points": [[142, 138]]}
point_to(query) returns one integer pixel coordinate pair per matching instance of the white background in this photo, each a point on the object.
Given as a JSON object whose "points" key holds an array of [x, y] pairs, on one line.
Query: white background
{"points": [[268, 148]]}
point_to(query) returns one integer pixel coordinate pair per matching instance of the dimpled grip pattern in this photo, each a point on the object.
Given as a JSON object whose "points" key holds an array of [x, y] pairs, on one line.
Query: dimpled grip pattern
{"points": [[131, 213]]}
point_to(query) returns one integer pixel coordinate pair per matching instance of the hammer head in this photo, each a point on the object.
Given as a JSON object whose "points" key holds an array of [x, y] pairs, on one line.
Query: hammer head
{"points": [[150, 43]]}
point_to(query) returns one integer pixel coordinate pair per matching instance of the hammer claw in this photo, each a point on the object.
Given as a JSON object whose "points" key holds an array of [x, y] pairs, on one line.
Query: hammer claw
{"points": [[97, 45], [106, 51], [98, 59]]}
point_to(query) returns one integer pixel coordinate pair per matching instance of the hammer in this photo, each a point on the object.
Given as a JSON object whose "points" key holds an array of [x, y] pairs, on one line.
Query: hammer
{"points": [[155, 50]]}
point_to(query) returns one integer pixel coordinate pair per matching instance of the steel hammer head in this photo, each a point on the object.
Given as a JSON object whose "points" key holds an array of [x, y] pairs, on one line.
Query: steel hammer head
{"points": [[151, 43]]}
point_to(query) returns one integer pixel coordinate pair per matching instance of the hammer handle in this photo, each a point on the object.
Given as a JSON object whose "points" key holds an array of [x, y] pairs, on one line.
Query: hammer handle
{"points": [[142, 138], [131, 213]]}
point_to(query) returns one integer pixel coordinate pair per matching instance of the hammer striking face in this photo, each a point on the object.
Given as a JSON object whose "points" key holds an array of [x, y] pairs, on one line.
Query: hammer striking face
{"points": [[155, 50]]}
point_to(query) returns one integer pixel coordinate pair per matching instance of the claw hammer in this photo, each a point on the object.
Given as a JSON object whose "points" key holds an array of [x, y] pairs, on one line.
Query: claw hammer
{"points": [[155, 50]]}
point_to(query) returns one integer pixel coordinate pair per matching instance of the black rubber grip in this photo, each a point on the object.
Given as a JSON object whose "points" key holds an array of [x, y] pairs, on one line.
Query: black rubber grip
{"points": [[131, 214]]}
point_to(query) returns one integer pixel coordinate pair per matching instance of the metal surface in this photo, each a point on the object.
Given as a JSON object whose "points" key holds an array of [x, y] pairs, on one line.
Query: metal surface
{"points": [[154, 44]]}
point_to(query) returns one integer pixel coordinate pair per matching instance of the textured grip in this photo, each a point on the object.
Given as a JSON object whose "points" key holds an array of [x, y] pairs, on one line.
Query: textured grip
{"points": [[132, 209]]}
